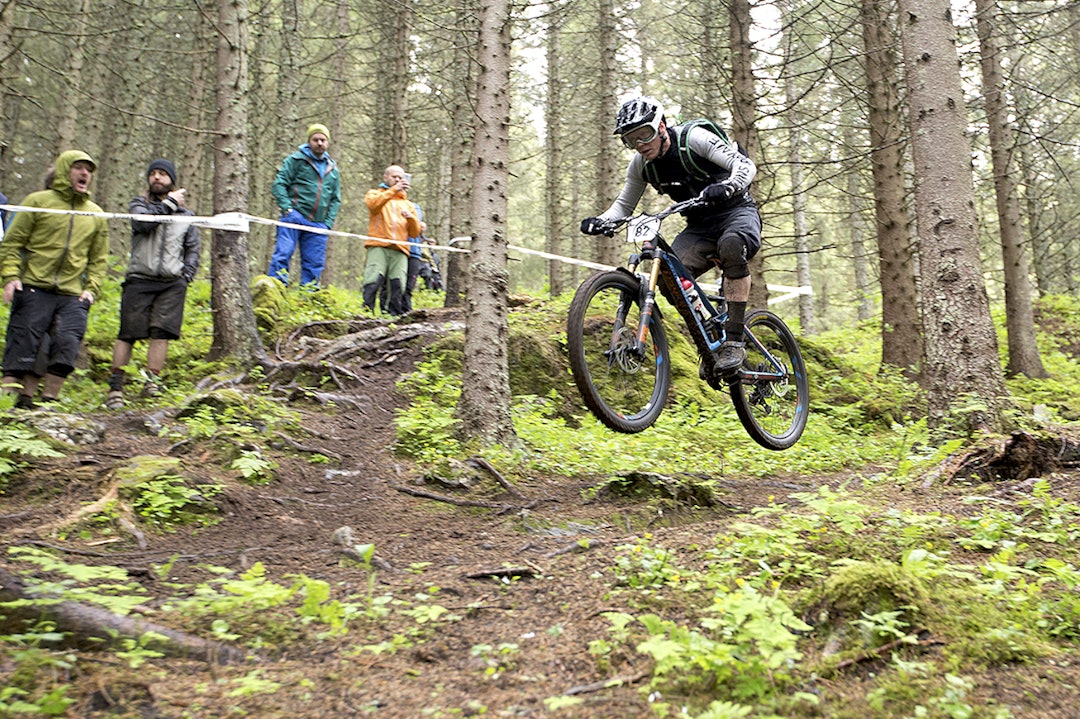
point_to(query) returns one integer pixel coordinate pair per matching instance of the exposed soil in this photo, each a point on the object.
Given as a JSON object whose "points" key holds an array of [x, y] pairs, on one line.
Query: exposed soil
{"points": [[548, 604]]}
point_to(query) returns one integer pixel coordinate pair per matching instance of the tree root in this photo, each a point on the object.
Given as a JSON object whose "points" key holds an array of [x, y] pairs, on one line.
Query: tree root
{"points": [[921, 641], [449, 500], [1019, 457], [293, 444], [487, 466], [574, 547], [504, 572]]}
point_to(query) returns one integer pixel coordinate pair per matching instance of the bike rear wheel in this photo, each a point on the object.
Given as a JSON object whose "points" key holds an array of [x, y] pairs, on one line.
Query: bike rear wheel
{"points": [[773, 409], [623, 384]]}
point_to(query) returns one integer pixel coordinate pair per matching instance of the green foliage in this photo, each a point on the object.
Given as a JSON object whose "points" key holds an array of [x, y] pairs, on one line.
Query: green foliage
{"points": [[254, 468], [55, 580], [136, 652], [33, 673], [256, 608], [639, 565], [168, 501], [496, 659], [252, 684], [744, 644], [830, 556], [17, 443], [425, 425]]}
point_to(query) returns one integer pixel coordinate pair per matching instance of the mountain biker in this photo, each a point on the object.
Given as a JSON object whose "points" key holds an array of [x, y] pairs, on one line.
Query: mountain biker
{"points": [[726, 231]]}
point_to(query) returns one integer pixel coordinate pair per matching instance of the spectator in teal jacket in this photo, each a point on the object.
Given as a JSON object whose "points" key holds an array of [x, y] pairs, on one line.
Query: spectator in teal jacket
{"points": [[308, 191]]}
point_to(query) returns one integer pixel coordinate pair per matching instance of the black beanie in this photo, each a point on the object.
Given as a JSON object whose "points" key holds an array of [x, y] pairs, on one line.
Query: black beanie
{"points": [[162, 164]]}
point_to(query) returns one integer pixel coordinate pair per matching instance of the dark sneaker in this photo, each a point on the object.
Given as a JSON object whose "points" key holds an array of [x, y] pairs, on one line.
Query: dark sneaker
{"points": [[729, 358], [24, 401], [114, 400]]}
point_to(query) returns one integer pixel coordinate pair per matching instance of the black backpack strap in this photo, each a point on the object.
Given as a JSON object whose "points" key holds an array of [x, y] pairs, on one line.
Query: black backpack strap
{"points": [[700, 168]]}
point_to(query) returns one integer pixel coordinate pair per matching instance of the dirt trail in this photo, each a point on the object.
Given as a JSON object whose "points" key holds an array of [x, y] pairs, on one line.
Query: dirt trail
{"points": [[515, 641]]}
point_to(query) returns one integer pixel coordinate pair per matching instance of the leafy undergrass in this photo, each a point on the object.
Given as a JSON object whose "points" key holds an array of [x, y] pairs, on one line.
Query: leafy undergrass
{"points": [[861, 413], [779, 607], [757, 619]]}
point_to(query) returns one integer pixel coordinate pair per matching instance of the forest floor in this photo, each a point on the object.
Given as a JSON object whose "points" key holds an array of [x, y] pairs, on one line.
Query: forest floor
{"points": [[526, 579]]}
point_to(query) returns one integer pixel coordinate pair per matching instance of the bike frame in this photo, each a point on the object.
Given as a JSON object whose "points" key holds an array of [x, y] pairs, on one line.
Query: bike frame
{"points": [[646, 230]]}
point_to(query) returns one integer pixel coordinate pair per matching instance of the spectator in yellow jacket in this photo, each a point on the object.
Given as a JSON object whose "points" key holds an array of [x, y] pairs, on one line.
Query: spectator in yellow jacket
{"points": [[52, 267]]}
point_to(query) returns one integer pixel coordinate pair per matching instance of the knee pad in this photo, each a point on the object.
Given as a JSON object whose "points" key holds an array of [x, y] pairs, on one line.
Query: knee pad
{"points": [[731, 252]]}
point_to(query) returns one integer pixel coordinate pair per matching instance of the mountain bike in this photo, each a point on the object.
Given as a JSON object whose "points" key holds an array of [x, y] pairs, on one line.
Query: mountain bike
{"points": [[619, 349]]}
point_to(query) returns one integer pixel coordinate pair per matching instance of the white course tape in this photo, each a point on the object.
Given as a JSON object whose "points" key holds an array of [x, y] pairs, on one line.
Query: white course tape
{"points": [[240, 222]]}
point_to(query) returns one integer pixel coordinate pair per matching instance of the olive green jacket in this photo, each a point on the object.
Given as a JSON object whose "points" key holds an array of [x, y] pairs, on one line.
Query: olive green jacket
{"points": [[66, 254]]}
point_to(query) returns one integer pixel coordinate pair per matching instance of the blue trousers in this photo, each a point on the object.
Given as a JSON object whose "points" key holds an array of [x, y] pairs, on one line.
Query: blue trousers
{"points": [[312, 251]]}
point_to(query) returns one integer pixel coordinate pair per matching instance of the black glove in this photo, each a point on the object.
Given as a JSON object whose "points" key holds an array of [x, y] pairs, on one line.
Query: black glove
{"points": [[718, 193], [592, 226]]}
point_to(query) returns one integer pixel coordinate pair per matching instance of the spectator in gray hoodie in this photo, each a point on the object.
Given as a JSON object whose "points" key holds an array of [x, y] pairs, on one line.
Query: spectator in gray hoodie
{"points": [[164, 260]]}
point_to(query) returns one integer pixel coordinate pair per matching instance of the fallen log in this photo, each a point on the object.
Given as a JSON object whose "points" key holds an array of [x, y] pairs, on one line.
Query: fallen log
{"points": [[89, 627]]}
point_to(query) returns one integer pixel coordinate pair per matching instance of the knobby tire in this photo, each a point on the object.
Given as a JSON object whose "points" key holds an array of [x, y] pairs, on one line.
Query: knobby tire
{"points": [[773, 412], [626, 391]]}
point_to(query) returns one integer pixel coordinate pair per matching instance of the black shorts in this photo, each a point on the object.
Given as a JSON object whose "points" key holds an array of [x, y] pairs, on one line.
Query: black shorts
{"points": [[151, 309], [729, 240], [44, 333]]}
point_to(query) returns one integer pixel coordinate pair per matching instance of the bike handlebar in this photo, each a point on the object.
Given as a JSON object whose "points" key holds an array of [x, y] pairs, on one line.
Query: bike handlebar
{"points": [[611, 225]]}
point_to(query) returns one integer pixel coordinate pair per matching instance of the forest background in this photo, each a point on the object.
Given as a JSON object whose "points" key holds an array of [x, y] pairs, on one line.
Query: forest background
{"points": [[847, 110], [130, 81], [864, 199]]}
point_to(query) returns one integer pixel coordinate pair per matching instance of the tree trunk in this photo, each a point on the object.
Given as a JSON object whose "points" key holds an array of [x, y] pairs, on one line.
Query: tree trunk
{"points": [[395, 23], [744, 113], [235, 332], [90, 627], [554, 207], [66, 135], [713, 61], [963, 372], [456, 269], [609, 178], [8, 99], [341, 254], [484, 405], [798, 191], [194, 143], [1019, 315], [901, 339], [856, 227]]}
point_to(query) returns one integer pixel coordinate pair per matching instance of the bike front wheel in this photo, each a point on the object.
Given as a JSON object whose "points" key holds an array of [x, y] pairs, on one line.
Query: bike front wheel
{"points": [[624, 382], [771, 393]]}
